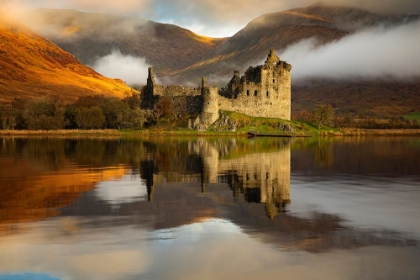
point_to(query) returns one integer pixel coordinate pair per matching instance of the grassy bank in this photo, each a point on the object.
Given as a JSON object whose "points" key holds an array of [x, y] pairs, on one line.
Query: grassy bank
{"points": [[229, 124], [377, 132], [191, 133]]}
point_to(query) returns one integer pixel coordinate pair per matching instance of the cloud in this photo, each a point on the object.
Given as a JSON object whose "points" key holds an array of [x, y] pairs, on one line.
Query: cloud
{"points": [[128, 189], [122, 6], [217, 18], [133, 70], [372, 53]]}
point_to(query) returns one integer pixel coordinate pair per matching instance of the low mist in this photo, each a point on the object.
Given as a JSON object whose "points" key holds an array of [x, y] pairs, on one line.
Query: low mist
{"points": [[132, 70], [372, 53]]}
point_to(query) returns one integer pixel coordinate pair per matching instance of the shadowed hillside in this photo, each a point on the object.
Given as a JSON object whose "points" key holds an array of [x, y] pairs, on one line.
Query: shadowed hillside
{"points": [[32, 66], [91, 36], [367, 98], [182, 57], [279, 30]]}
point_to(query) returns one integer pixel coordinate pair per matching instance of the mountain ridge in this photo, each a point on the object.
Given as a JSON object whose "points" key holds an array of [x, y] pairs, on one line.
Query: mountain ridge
{"points": [[180, 56], [32, 66]]}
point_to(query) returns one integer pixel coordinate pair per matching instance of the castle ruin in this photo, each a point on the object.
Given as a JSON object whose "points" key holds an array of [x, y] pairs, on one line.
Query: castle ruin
{"points": [[263, 91]]}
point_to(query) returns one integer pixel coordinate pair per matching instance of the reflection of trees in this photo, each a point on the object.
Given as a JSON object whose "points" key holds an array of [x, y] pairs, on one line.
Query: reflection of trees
{"points": [[357, 155], [323, 154], [45, 154], [38, 175], [56, 171], [251, 182]]}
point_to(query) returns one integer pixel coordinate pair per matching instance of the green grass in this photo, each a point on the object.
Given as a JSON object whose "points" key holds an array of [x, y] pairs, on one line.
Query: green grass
{"points": [[413, 116]]}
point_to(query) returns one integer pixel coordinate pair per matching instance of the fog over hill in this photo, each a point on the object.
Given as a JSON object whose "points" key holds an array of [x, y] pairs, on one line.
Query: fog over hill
{"points": [[141, 43], [332, 47], [31, 66], [214, 18]]}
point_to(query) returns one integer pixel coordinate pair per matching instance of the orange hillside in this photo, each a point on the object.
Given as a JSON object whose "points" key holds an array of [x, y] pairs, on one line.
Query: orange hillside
{"points": [[32, 66]]}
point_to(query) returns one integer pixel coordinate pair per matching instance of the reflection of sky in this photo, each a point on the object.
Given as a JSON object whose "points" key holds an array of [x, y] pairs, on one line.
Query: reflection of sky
{"points": [[215, 249], [27, 276], [387, 204], [130, 188]]}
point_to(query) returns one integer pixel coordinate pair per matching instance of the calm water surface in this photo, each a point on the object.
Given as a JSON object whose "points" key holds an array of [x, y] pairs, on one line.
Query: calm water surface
{"points": [[340, 208]]}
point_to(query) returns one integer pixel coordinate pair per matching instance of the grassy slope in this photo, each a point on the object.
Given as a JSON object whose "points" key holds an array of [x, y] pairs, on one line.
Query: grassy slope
{"points": [[32, 66], [413, 116]]}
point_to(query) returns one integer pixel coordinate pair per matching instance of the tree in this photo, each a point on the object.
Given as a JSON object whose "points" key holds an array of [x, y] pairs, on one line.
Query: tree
{"points": [[89, 118], [323, 115], [163, 108], [8, 117], [132, 100], [133, 118], [113, 109], [44, 113]]}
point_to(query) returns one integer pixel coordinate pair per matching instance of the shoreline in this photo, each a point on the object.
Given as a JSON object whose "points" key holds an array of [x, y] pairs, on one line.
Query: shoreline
{"points": [[141, 133], [376, 132]]}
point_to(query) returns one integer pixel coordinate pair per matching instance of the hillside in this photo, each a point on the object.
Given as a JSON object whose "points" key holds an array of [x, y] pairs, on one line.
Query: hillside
{"points": [[89, 36], [375, 97], [32, 66], [279, 30], [182, 57]]}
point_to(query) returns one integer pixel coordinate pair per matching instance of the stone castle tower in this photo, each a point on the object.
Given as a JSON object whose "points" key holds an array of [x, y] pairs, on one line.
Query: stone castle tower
{"points": [[263, 91]]}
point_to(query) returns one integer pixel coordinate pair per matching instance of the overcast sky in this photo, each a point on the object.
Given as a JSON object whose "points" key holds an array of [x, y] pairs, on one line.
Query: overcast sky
{"points": [[216, 18]]}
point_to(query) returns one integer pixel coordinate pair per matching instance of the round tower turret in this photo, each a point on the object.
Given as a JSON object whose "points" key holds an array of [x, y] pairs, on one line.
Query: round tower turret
{"points": [[210, 109]]}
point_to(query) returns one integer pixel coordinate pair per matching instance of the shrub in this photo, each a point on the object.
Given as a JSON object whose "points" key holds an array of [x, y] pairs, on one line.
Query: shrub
{"points": [[89, 118], [44, 113]]}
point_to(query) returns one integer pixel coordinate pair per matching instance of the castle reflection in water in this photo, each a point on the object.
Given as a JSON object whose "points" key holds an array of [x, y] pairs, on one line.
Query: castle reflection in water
{"points": [[261, 177], [41, 178]]}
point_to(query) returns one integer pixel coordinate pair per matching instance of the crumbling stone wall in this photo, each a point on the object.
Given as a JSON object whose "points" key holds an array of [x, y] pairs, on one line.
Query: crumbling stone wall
{"points": [[263, 91], [190, 105]]}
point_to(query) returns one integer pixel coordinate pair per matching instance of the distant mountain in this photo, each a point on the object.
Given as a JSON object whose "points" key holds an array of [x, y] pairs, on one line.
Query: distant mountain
{"points": [[32, 66], [90, 36], [182, 57], [281, 29]]}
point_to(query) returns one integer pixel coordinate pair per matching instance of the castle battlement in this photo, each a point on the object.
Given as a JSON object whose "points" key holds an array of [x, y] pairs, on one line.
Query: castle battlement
{"points": [[263, 91]]}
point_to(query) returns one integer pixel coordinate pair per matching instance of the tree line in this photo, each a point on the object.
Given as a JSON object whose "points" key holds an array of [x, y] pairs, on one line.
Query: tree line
{"points": [[88, 112], [323, 115]]}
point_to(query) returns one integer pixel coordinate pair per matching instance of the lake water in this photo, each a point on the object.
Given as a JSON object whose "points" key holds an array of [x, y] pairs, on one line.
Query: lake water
{"points": [[210, 208]]}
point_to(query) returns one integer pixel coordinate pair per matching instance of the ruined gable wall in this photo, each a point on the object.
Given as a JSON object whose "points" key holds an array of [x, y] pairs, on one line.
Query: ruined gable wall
{"points": [[270, 98], [171, 90], [184, 100]]}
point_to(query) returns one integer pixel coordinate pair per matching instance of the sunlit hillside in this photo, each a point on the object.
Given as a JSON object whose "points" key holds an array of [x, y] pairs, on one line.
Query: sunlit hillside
{"points": [[40, 193], [180, 56], [32, 66], [90, 36]]}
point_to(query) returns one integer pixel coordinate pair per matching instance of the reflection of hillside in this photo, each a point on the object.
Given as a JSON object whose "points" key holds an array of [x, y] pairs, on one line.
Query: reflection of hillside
{"points": [[39, 179], [190, 181], [187, 181], [358, 155]]}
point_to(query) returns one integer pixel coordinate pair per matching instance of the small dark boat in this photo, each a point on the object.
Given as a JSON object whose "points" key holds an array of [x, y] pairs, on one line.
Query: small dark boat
{"points": [[268, 134]]}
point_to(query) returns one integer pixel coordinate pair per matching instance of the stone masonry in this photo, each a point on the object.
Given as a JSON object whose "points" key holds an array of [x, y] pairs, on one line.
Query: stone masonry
{"points": [[263, 91]]}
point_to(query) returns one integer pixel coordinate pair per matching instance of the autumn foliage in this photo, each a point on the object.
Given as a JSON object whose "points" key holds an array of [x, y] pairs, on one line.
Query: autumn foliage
{"points": [[88, 112]]}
